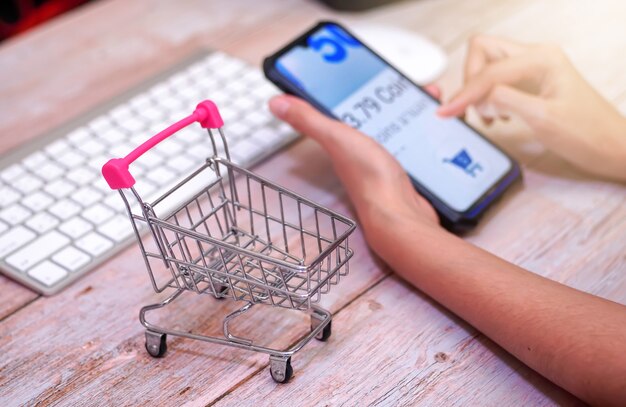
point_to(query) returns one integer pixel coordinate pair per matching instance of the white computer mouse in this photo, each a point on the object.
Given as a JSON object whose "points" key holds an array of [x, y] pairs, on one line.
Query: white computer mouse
{"points": [[413, 55]]}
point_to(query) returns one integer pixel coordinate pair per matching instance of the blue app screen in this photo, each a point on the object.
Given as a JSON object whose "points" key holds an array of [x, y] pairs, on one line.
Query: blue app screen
{"points": [[359, 88]]}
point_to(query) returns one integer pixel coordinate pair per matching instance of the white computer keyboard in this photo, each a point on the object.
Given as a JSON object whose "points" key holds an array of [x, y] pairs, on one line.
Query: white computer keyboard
{"points": [[58, 217]]}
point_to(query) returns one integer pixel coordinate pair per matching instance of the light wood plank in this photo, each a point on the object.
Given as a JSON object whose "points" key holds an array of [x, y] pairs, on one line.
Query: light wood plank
{"points": [[389, 350], [14, 297]]}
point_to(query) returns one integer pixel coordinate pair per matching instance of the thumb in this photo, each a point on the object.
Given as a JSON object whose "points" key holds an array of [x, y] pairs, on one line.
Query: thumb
{"points": [[511, 101], [305, 119]]}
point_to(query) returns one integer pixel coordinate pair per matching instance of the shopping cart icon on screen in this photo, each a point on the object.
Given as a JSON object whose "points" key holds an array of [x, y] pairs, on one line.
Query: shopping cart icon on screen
{"points": [[464, 161]]}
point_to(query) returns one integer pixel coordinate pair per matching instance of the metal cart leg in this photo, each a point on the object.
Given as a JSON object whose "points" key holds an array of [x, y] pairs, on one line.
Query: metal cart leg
{"points": [[234, 315], [280, 360], [321, 317]]}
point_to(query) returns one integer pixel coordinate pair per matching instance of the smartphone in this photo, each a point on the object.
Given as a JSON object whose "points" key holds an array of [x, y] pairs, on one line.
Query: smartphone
{"points": [[451, 164]]}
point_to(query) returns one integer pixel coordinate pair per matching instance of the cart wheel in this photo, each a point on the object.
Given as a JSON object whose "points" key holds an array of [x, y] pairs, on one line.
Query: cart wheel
{"points": [[281, 370], [156, 344], [325, 333], [222, 290]]}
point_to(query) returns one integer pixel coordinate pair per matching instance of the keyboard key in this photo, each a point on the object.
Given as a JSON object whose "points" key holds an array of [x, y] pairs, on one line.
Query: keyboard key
{"points": [[236, 130], [121, 113], [267, 136], [37, 201], [284, 128], [100, 124], [215, 59], [206, 82], [192, 136], [101, 184], [158, 91], [197, 69], [245, 151], [82, 175], [145, 189], [220, 97], [191, 93], [60, 188], [14, 214], [37, 250], [42, 222], [3, 227], [229, 114], [257, 119], [265, 91], [245, 104], [57, 148], [94, 244], [71, 258], [140, 101], [169, 148], [98, 213], [75, 227], [86, 196], [252, 76], [121, 149], [153, 112], [160, 175], [150, 159], [98, 161], [7, 196], [132, 124], [14, 239], [12, 172], [201, 152], [71, 159], [91, 147], [182, 164], [79, 135], [50, 171], [64, 209], [113, 135], [178, 80], [136, 140], [118, 228], [27, 183], [170, 103], [138, 170], [114, 201], [48, 273], [35, 160], [236, 87]]}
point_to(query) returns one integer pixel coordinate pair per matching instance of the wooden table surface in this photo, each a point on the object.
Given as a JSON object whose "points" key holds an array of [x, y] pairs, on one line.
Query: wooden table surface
{"points": [[392, 345]]}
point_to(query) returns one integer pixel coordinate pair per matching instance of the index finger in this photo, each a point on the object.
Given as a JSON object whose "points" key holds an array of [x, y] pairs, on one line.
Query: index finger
{"points": [[507, 72], [484, 49]]}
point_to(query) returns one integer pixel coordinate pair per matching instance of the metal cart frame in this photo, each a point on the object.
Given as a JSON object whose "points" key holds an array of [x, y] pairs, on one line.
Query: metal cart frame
{"points": [[238, 236]]}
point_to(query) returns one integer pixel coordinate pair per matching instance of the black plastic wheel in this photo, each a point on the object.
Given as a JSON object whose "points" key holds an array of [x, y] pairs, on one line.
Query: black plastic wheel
{"points": [[326, 332], [222, 290], [279, 378], [156, 346]]}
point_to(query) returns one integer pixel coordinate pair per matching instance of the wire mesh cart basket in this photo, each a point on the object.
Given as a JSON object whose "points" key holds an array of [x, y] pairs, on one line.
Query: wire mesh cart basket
{"points": [[233, 235]]}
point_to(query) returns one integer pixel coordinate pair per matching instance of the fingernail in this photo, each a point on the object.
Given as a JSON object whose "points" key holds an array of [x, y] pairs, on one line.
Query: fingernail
{"points": [[442, 111], [279, 106], [448, 109]]}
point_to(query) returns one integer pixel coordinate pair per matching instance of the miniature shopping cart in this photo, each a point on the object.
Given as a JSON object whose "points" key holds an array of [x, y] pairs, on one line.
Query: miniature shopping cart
{"points": [[236, 236]]}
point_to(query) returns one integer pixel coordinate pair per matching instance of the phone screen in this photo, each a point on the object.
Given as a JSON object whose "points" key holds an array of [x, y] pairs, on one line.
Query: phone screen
{"points": [[358, 87]]}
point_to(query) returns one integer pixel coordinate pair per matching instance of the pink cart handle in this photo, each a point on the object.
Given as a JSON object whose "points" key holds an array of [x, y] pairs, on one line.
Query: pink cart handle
{"points": [[115, 171]]}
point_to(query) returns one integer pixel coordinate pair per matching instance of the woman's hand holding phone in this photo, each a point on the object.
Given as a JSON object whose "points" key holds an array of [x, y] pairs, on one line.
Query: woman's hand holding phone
{"points": [[377, 185], [541, 86]]}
